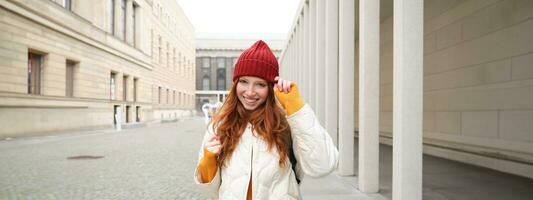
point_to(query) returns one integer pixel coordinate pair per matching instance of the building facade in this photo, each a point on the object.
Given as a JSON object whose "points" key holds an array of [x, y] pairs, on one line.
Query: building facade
{"points": [[215, 62], [452, 79], [73, 64]]}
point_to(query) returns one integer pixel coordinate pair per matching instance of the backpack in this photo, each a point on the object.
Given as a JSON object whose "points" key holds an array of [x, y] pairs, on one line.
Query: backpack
{"points": [[292, 157]]}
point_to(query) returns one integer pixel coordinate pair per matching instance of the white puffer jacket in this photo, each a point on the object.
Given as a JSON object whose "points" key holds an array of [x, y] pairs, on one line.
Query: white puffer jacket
{"points": [[313, 148]]}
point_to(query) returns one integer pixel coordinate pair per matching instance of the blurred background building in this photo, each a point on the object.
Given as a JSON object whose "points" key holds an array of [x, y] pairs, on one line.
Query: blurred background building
{"points": [[215, 61], [76, 64]]}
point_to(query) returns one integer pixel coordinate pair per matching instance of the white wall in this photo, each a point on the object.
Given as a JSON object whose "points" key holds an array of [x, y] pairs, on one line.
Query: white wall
{"points": [[478, 77]]}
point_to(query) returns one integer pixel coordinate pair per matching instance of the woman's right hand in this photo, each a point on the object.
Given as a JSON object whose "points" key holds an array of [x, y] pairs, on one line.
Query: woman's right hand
{"points": [[213, 144]]}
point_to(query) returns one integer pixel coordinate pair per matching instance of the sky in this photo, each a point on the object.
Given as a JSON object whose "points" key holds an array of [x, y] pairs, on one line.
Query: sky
{"points": [[270, 19]]}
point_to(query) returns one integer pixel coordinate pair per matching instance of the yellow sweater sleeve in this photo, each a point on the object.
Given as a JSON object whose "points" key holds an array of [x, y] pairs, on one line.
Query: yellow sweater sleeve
{"points": [[292, 101], [208, 166]]}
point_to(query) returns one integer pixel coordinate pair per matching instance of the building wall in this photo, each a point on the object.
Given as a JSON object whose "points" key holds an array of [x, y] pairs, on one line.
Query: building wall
{"points": [[84, 35], [212, 72], [175, 59], [478, 77]]}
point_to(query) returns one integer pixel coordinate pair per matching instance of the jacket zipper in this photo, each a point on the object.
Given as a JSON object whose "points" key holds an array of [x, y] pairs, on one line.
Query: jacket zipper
{"points": [[251, 166]]}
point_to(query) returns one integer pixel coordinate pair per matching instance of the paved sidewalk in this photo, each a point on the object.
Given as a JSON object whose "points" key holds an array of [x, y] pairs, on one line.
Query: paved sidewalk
{"points": [[153, 162], [158, 161], [334, 187]]}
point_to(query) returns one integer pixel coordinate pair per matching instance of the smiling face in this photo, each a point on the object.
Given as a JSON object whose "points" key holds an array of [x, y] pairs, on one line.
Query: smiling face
{"points": [[251, 91]]}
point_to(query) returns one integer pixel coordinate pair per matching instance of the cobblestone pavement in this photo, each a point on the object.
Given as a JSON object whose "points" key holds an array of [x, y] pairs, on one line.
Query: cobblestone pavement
{"points": [[154, 162]]}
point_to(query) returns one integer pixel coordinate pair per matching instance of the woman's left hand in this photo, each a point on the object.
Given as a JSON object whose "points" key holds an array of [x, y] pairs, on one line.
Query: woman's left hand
{"points": [[288, 95], [282, 85]]}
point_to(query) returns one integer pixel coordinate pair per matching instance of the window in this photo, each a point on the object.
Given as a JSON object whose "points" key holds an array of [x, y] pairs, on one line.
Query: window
{"points": [[168, 54], [167, 96], [116, 110], [124, 88], [174, 97], [205, 83], [198, 62], [138, 113], [183, 66], [71, 67], [187, 69], [174, 59], [128, 111], [221, 63], [135, 23], [221, 79], [159, 94], [123, 9], [234, 61], [179, 98], [67, 4], [160, 50], [205, 62], [64, 3], [111, 18], [35, 62], [112, 84], [152, 47], [179, 63], [135, 87]]}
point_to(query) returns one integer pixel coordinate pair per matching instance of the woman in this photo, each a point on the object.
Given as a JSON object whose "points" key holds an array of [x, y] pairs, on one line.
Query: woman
{"points": [[245, 151]]}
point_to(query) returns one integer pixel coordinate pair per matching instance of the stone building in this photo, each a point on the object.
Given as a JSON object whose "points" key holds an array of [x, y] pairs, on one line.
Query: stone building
{"points": [[215, 61], [453, 79], [76, 64]]}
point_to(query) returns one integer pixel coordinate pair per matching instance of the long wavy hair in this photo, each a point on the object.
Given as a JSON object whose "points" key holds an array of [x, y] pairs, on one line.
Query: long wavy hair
{"points": [[267, 120]]}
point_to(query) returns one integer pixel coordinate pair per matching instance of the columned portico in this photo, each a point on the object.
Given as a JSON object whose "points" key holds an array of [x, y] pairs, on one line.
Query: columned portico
{"points": [[320, 56]]}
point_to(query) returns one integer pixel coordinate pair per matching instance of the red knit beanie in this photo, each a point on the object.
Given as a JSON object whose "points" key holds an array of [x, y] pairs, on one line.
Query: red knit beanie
{"points": [[259, 61]]}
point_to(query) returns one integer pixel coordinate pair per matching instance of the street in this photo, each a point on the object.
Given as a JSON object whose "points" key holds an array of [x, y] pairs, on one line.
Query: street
{"points": [[154, 162]]}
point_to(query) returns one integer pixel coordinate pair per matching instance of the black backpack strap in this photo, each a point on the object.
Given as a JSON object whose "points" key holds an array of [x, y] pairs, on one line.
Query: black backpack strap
{"points": [[292, 157]]}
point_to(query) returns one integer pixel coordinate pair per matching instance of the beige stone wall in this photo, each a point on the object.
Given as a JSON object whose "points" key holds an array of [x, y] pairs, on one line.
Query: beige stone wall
{"points": [[83, 35], [174, 57], [478, 77]]}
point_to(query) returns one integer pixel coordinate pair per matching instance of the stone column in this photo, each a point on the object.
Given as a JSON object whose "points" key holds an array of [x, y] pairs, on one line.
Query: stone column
{"points": [[320, 60], [301, 51], [129, 22], [305, 45], [312, 53], [294, 73], [294, 57], [332, 67], [346, 86], [290, 58], [299, 32], [369, 96], [408, 99]]}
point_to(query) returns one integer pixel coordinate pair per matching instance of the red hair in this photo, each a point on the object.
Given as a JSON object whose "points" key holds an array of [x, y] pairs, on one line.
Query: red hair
{"points": [[268, 122]]}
